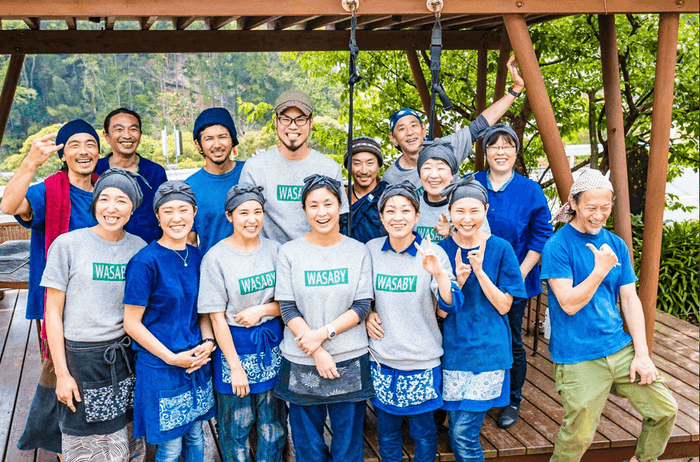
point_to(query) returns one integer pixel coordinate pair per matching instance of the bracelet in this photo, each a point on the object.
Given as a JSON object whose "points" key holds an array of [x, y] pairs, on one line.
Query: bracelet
{"points": [[208, 340], [514, 93]]}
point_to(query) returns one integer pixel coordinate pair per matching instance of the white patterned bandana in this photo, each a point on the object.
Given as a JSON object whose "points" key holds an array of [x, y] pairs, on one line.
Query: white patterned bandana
{"points": [[590, 179]]}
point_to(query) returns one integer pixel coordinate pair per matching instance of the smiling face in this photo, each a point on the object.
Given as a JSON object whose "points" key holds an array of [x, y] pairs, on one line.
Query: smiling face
{"points": [[468, 214], [592, 210], [435, 175], [408, 134], [113, 209], [81, 153], [293, 136], [322, 211], [124, 134], [176, 218], [247, 219], [399, 217], [216, 144], [501, 155], [365, 167]]}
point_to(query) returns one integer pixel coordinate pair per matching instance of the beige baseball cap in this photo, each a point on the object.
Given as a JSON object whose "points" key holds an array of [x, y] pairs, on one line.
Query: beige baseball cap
{"points": [[294, 98]]}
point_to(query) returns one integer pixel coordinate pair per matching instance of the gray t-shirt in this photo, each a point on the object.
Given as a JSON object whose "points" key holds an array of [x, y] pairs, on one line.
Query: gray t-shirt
{"points": [[429, 216], [232, 281], [461, 146], [90, 270], [324, 282], [283, 179], [405, 297]]}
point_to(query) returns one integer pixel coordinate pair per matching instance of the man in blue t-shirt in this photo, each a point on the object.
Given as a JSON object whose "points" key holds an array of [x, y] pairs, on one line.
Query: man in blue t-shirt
{"points": [[588, 269], [122, 130], [214, 135]]}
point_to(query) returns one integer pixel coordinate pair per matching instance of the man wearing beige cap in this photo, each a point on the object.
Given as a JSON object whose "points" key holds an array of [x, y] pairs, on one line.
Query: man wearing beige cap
{"points": [[282, 169]]}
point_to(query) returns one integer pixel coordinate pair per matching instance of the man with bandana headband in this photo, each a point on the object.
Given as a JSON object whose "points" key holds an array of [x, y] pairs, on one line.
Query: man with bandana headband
{"points": [[587, 270]]}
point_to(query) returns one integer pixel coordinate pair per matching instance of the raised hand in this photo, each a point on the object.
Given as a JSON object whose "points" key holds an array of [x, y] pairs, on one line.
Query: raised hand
{"points": [[443, 227], [518, 82], [605, 258], [476, 258], [43, 148], [373, 326], [462, 270], [431, 263]]}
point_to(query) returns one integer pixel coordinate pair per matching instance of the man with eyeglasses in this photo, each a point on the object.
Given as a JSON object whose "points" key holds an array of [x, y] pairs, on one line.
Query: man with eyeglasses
{"points": [[215, 136], [282, 169]]}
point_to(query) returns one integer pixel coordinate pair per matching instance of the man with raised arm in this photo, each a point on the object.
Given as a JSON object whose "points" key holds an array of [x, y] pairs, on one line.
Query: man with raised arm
{"points": [[588, 270], [282, 169], [407, 133]]}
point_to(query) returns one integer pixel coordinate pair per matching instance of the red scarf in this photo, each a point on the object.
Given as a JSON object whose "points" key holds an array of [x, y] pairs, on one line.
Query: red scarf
{"points": [[56, 221]]}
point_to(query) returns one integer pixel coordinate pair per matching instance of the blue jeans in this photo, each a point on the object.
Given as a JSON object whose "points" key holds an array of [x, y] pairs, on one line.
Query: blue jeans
{"points": [[422, 429], [347, 420], [190, 445], [517, 373], [236, 417], [465, 427]]}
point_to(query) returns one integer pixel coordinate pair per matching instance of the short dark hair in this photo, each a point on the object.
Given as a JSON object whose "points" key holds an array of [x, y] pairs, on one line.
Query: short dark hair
{"points": [[121, 110], [506, 136]]}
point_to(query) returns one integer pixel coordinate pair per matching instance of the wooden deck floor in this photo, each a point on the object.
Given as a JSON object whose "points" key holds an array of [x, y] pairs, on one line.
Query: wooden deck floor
{"points": [[530, 439]]}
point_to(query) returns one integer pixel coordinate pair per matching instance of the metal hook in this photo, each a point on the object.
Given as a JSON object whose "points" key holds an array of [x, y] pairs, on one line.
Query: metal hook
{"points": [[435, 6], [351, 6]]}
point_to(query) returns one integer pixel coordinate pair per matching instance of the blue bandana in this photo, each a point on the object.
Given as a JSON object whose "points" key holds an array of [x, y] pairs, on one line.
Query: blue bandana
{"points": [[394, 119]]}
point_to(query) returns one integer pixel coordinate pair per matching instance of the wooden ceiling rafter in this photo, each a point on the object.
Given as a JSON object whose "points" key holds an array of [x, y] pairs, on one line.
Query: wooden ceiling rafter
{"points": [[217, 22], [147, 21], [109, 22], [324, 21], [391, 21], [32, 23], [291, 21], [182, 23], [72, 23]]}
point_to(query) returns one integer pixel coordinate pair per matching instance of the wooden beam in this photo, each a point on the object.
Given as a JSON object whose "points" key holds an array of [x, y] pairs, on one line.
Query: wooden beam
{"points": [[481, 81], [291, 21], [72, 23], [541, 105], [32, 23], [202, 41], [422, 88], [662, 112], [251, 22], [109, 22], [170, 8], [391, 21], [617, 153], [14, 70], [324, 21], [219, 22], [499, 88], [183, 23], [147, 22], [420, 21], [363, 20]]}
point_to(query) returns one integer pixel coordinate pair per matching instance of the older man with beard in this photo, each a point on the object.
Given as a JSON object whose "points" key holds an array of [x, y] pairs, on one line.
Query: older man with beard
{"points": [[282, 169], [214, 135]]}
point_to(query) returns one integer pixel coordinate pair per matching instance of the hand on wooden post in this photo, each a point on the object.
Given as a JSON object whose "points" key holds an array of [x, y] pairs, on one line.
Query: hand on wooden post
{"points": [[518, 82]]}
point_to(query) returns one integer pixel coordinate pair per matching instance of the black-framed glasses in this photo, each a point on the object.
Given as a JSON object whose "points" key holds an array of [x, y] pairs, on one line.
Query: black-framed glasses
{"points": [[298, 121]]}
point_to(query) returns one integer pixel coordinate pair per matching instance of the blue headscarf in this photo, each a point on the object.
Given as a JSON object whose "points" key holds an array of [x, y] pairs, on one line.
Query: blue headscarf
{"points": [[73, 128]]}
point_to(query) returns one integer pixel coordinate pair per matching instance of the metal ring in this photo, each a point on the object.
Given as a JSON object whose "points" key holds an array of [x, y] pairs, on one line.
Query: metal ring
{"points": [[434, 5], [350, 5]]}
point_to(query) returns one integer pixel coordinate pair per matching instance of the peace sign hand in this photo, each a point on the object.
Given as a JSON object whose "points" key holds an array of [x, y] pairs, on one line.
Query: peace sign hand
{"points": [[431, 263], [476, 258], [42, 148], [462, 270]]}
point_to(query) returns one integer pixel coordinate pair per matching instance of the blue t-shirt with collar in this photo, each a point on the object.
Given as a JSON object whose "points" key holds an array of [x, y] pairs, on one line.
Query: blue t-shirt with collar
{"points": [[143, 223], [595, 331], [158, 279], [476, 337], [518, 212], [80, 217], [210, 190]]}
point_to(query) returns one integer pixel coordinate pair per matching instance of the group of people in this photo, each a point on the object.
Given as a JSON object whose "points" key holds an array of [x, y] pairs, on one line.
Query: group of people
{"points": [[237, 293]]}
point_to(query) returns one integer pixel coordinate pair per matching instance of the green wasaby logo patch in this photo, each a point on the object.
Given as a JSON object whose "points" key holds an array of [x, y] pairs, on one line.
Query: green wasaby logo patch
{"points": [[108, 271], [387, 283], [257, 283], [289, 193], [330, 277], [426, 231]]}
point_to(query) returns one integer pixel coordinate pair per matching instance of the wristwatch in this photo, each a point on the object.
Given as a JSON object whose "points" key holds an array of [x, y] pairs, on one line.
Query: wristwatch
{"points": [[514, 93], [331, 331]]}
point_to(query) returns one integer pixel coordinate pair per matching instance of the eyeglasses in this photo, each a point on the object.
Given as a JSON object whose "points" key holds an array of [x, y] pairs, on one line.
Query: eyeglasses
{"points": [[507, 148], [299, 121]]}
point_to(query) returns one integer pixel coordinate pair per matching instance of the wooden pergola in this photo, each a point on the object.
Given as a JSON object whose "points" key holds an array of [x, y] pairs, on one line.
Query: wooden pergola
{"points": [[322, 25]]}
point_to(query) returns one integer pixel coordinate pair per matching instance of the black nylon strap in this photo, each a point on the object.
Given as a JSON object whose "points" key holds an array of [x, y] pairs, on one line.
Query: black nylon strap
{"points": [[353, 78], [435, 52]]}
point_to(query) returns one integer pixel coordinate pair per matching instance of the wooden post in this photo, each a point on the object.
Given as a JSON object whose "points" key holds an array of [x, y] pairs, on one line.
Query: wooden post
{"points": [[658, 165], [541, 106], [422, 87], [616, 129], [501, 74], [14, 70], [481, 75]]}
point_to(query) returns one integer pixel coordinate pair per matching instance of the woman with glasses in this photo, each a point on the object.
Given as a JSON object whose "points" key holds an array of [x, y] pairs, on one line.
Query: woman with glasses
{"points": [[518, 212], [324, 286]]}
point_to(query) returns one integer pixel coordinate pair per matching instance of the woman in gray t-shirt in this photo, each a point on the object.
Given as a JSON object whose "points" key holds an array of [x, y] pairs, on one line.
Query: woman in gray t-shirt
{"points": [[84, 280], [324, 286]]}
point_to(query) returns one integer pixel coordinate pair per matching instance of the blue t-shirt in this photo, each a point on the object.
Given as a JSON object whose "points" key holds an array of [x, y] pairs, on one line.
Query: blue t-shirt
{"points": [[595, 331], [143, 223], [80, 217], [519, 214], [366, 223], [476, 337], [210, 190], [158, 279]]}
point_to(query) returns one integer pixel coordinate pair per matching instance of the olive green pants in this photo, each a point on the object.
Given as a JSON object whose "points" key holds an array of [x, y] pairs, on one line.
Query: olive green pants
{"points": [[584, 388]]}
